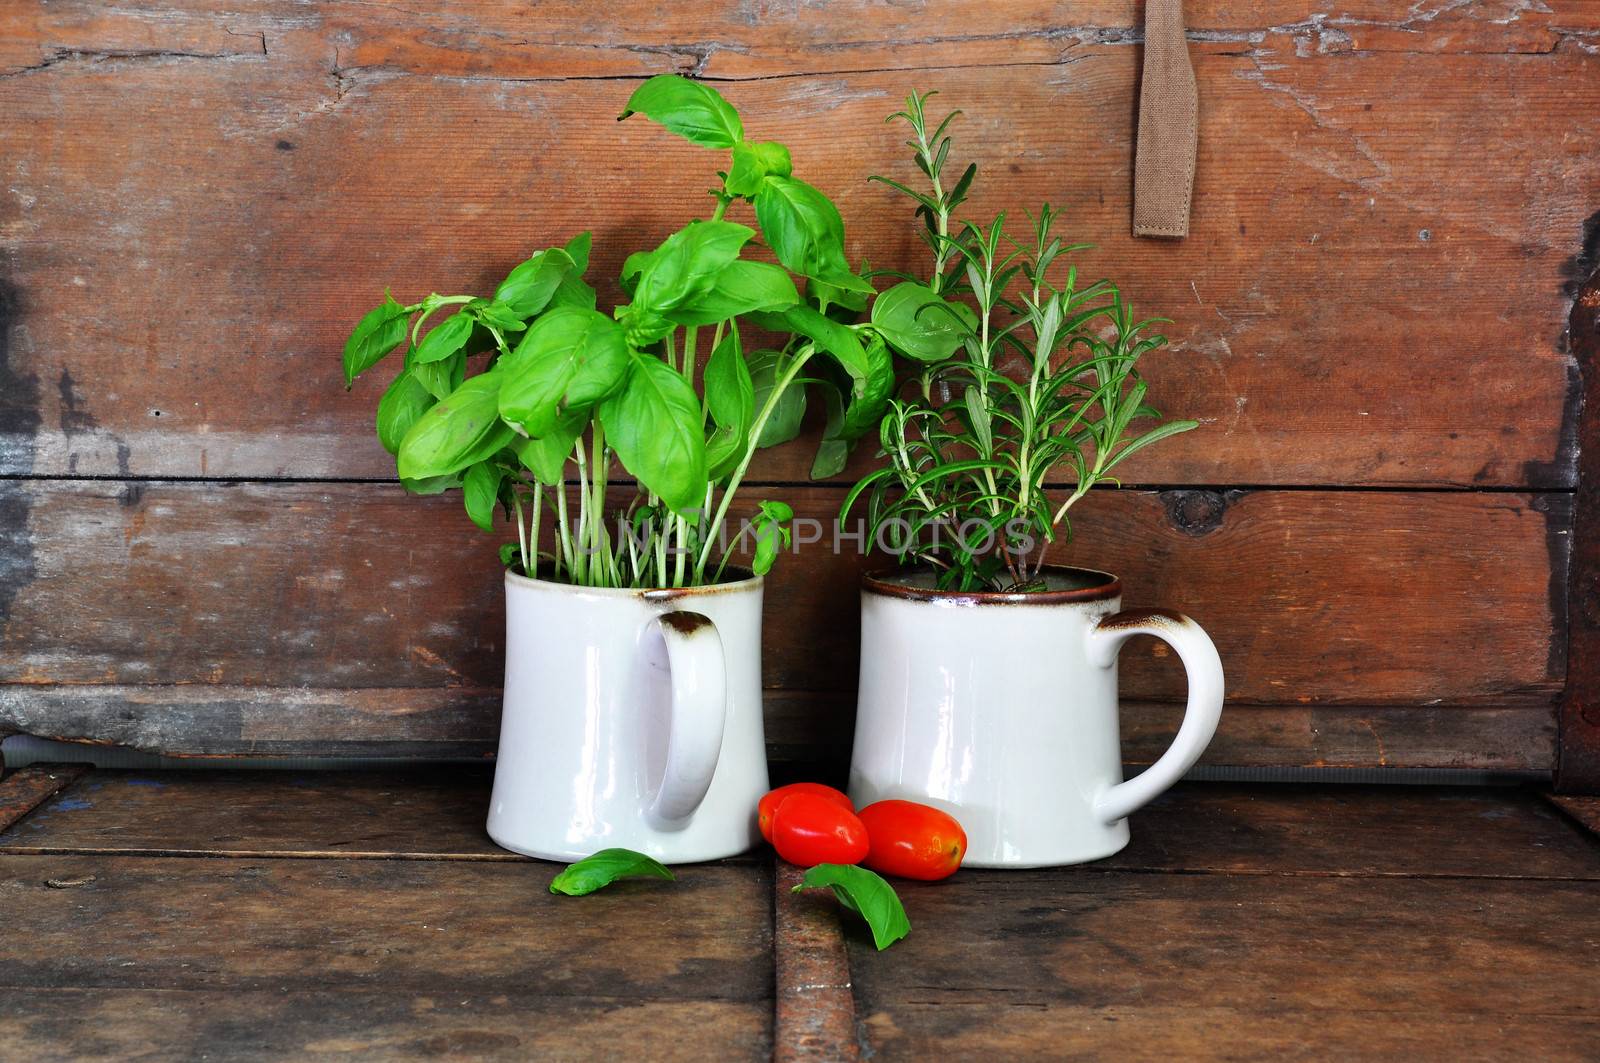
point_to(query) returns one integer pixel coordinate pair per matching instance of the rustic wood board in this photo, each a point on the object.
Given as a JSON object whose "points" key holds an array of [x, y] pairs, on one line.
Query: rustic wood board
{"points": [[423, 815], [807, 726], [131, 937], [25, 790], [199, 200], [351, 615], [1583, 810], [1262, 922], [343, 1022], [1243, 922], [814, 1013], [416, 927], [1354, 305], [1367, 831], [1481, 952], [1057, 1030]]}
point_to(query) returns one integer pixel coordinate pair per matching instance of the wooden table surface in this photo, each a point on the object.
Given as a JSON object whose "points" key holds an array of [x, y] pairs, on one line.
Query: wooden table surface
{"points": [[237, 915]]}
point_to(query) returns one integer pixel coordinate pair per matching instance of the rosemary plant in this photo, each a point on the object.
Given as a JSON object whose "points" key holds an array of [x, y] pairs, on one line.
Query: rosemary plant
{"points": [[1025, 378]]}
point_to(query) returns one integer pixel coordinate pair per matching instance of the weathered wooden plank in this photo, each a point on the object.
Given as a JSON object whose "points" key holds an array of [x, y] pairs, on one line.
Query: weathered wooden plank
{"points": [[1578, 768], [1317, 193], [424, 815], [495, 39], [511, 1023], [815, 1016], [1320, 597], [1356, 831], [816, 727], [1584, 810], [802, 727], [408, 927], [26, 789], [1470, 954], [1060, 1030]]}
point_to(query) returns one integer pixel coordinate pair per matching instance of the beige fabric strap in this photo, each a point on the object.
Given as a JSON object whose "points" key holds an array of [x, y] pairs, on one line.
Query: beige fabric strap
{"points": [[1163, 173]]}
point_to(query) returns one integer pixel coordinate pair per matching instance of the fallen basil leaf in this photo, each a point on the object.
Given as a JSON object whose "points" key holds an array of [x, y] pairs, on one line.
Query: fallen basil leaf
{"points": [[865, 893], [604, 868]]}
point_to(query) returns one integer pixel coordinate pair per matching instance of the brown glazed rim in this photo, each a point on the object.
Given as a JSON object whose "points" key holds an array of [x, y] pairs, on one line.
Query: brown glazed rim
{"points": [[742, 580], [886, 582]]}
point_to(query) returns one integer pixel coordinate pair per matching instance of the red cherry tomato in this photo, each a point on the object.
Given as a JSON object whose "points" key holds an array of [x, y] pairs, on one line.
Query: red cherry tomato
{"points": [[912, 840], [811, 829], [769, 804]]}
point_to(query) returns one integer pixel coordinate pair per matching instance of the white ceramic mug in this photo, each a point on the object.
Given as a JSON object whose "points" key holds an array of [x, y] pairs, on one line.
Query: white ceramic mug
{"points": [[1002, 709], [631, 718]]}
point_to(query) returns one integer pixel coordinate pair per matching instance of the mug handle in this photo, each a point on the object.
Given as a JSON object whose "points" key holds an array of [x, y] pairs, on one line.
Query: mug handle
{"points": [[699, 712], [1204, 669]]}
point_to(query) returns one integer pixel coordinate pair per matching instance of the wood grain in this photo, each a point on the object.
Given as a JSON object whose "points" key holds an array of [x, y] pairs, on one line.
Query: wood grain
{"points": [[286, 618], [1355, 304], [27, 788], [1476, 953], [381, 815], [344, 1022], [1059, 1030], [808, 727], [409, 927], [814, 1014], [1578, 767], [359, 586], [1357, 831], [1367, 922], [1583, 810]]}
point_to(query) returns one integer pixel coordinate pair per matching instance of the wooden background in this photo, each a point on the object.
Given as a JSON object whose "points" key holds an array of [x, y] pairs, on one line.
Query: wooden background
{"points": [[201, 548]]}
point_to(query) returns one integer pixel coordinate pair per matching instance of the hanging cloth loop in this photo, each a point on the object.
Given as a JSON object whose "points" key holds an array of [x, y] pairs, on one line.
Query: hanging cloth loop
{"points": [[1169, 131]]}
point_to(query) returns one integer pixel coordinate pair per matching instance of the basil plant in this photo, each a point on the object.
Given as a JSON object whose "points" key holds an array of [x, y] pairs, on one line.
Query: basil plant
{"points": [[526, 399]]}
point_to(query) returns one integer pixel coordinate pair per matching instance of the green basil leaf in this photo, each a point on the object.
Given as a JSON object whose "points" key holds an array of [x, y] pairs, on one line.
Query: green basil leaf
{"points": [[440, 378], [632, 266], [840, 341], [444, 339], [654, 425], [730, 399], [865, 893], [405, 401], [834, 450], [772, 533], [848, 301], [432, 485], [753, 163], [546, 457], [691, 109], [529, 287], [869, 395], [578, 250], [741, 287], [481, 489], [569, 360], [574, 291], [642, 326], [783, 423], [805, 231], [920, 324], [688, 263], [500, 316], [463, 429], [604, 868], [868, 399], [374, 338]]}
